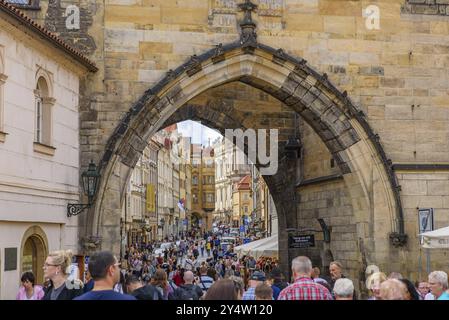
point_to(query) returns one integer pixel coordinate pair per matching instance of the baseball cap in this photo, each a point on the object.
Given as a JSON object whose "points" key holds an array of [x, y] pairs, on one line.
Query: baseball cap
{"points": [[258, 276]]}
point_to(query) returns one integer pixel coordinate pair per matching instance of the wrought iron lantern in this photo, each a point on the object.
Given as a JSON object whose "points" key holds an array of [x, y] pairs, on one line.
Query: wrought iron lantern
{"points": [[89, 179]]}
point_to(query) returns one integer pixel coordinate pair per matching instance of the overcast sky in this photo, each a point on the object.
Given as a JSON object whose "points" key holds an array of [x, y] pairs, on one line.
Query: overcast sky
{"points": [[198, 132]]}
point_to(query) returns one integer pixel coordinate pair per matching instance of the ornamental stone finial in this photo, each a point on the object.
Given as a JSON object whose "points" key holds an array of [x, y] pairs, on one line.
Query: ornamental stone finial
{"points": [[248, 37]]}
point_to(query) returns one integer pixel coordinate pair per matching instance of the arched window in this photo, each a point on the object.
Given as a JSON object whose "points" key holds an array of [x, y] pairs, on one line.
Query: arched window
{"points": [[43, 123], [3, 78]]}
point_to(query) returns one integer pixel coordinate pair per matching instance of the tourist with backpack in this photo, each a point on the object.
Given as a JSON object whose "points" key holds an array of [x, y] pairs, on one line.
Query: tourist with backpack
{"points": [[160, 282], [188, 291], [138, 290]]}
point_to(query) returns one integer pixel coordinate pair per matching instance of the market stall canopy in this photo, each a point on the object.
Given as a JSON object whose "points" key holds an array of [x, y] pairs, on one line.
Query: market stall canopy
{"points": [[266, 247], [437, 239]]}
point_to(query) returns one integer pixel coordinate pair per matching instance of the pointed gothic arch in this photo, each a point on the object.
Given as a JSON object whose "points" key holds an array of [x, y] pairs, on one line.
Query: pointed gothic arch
{"points": [[366, 169]]}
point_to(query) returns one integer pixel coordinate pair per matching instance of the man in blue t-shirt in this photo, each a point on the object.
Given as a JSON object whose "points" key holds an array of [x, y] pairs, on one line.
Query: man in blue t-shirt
{"points": [[105, 271]]}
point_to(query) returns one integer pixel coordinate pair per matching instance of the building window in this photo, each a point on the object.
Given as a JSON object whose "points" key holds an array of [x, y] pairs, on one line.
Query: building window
{"points": [[195, 180], [43, 112], [195, 198], [38, 119], [210, 198], [245, 209], [208, 179], [209, 163]]}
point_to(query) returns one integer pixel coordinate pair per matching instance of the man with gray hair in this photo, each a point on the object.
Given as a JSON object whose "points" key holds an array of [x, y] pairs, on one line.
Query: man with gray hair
{"points": [[304, 288], [344, 289], [438, 285]]}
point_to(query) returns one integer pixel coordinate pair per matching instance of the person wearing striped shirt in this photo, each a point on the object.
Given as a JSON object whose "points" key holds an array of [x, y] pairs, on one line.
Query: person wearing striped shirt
{"points": [[205, 282]]}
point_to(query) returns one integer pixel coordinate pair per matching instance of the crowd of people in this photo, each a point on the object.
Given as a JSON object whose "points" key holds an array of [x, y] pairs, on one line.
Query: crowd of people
{"points": [[201, 269]]}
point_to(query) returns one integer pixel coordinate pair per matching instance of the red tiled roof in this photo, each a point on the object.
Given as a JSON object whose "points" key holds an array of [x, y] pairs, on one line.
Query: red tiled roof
{"points": [[55, 40], [244, 183]]}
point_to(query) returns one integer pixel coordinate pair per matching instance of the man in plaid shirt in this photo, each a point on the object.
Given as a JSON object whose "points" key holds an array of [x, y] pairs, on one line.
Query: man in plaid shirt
{"points": [[304, 288]]}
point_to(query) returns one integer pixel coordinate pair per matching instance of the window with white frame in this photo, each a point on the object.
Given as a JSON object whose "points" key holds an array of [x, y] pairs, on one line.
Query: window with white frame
{"points": [[43, 112]]}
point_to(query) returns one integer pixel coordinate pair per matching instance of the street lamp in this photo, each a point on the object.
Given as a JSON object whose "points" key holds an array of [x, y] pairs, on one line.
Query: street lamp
{"points": [[89, 181]]}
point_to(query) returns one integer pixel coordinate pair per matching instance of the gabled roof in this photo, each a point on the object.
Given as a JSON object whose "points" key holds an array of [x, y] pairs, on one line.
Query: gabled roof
{"points": [[244, 183], [60, 44]]}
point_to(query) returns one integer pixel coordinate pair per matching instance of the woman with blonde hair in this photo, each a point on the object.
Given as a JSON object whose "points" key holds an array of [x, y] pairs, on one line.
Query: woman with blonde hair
{"points": [[56, 270], [373, 284]]}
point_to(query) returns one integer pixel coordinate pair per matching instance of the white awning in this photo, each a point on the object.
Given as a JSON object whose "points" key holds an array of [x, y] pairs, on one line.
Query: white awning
{"points": [[436, 239], [263, 247], [268, 249]]}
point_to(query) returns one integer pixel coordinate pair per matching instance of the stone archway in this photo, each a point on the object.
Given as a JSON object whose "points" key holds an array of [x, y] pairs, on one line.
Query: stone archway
{"points": [[340, 125]]}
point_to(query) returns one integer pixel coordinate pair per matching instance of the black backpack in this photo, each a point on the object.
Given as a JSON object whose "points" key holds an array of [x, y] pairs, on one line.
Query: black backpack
{"points": [[148, 292], [186, 293]]}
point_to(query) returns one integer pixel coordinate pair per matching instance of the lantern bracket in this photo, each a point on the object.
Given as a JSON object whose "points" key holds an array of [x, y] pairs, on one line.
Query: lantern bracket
{"points": [[74, 209], [89, 179]]}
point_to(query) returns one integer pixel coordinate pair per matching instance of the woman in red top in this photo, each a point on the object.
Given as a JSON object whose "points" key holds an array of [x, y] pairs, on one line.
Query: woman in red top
{"points": [[178, 278]]}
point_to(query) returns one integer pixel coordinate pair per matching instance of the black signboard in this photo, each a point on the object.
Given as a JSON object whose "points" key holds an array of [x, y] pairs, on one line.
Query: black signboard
{"points": [[305, 241], [10, 259]]}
